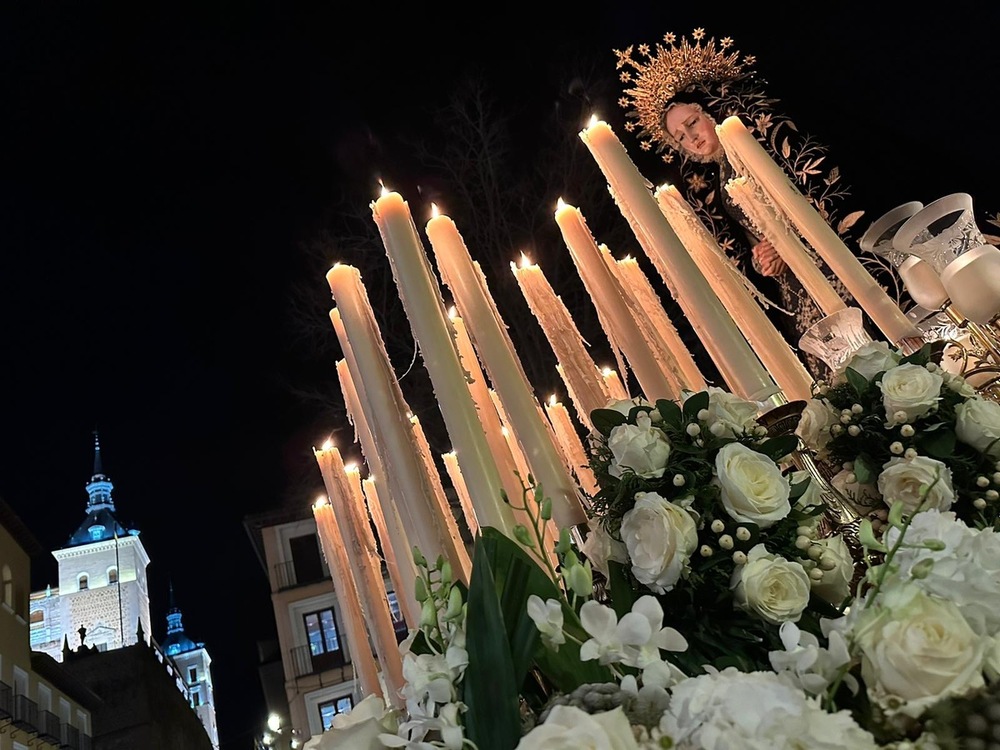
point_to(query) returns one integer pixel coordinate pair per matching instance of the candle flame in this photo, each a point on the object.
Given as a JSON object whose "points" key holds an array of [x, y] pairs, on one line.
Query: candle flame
{"points": [[627, 258], [435, 212], [525, 261], [352, 468], [327, 444], [560, 204], [320, 501], [383, 190], [607, 372], [452, 312], [504, 431], [552, 400], [594, 119]]}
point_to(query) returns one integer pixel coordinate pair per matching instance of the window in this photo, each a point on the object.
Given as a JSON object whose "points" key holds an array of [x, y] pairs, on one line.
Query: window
{"points": [[397, 614], [84, 582], [331, 708], [306, 558], [195, 698], [37, 618], [324, 640], [192, 674], [112, 575], [8, 587]]}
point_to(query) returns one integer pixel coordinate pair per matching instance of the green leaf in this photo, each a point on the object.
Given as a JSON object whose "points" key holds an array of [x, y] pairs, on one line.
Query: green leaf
{"points": [[940, 444], [605, 420], [863, 470], [489, 689], [777, 448], [622, 594], [695, 404], [670, 412], [920, 357], [857, 381]]}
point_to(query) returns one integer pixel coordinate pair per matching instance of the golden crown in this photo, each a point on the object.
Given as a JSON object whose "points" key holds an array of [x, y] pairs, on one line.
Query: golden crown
{"points": [[653, 79]]}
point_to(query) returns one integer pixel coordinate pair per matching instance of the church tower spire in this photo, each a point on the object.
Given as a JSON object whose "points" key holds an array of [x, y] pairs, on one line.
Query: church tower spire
{"points": [[99, 487]]}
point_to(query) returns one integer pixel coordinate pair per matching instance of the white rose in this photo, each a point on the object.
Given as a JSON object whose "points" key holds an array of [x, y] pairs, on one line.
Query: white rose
{"points": [[977, 423], [774, 588], [958, 384], [872, 358], [916, 650], [626, 405], [815, 423], [753, 488], [904, 479], [835, 585], [599, 547], [861, 495], [733, 414], [569, 728], [660, 537], [910, 389], [359, 728], [640, 448]]}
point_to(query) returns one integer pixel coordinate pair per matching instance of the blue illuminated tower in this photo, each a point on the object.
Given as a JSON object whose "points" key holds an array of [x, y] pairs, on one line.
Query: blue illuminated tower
{"points": [[194, 666]]}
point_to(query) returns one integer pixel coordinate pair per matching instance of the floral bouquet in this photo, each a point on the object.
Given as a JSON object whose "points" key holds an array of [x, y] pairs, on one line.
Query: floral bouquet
{"points": [[894, 423], [697, 509]]}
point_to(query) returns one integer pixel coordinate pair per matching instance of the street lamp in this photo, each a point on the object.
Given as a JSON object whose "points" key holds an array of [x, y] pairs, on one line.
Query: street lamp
{"points": [[277, 736]]}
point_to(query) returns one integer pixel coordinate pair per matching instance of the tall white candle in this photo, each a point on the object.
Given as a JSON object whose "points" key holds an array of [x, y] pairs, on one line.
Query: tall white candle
{"points": [[788, 245], [660, 333], [607, 296], [462, 490], [392, 534], [440, 497], [766, 340], [487, 412], [563, 335], [614, 384], [421, 297], [520, 460], [730, 351], [409, 483], [352, 613], [749, 157], [366, 567], [489, 335], [572, 446], [374, 504]]}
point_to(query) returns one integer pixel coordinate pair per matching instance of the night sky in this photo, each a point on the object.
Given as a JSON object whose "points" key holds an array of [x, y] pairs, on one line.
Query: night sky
{"points": [[164, 170]]}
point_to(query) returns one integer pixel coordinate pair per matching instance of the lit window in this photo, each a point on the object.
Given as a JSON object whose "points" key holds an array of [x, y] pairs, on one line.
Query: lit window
{"points": [[112, 575], [331, 708], [397, 614], [84, 582], [37, 618], [321, 630]]}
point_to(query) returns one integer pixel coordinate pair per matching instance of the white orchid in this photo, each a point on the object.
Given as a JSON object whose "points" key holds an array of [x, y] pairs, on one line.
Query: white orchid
{"points": [[635, 640], [548, 618]]}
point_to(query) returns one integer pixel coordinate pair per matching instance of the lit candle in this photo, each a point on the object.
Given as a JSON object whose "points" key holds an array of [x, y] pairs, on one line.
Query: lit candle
{"points": [[409, 483], [441, 498], [462, 490], [421, 297], [614, 312], [486, 409], [374, 504], [659, 331], [365, 565], [392, 533], [729, 284], [572, 446], [352, 613], [575, 361], [520, 460], [787, 244], [489, 335], [614, 384], [730, 351], [749, 157]]}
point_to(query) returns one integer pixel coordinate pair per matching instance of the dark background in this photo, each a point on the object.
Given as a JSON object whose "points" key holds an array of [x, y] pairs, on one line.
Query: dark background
{"points": [[162, 168]]}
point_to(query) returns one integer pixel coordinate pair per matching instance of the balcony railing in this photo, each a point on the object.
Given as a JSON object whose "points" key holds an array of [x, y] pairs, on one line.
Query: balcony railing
{"points": [[304, 662], [287, 577], [25, 712], [71, 738], [48, 726], [6, 701]]}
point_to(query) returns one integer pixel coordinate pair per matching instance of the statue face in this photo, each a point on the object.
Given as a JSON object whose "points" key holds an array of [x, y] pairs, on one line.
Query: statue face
{"points": [[693, 129]]}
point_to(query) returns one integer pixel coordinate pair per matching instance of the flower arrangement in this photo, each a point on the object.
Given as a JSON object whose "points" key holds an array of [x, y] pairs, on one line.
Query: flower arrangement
{"points": [[698, 507], [893, 423]]}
